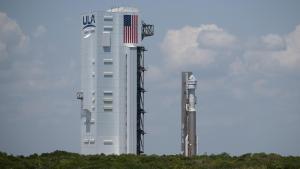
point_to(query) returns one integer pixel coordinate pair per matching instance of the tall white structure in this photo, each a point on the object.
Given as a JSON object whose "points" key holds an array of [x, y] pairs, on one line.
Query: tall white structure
{"points": [[188, 114], [112, 81]]}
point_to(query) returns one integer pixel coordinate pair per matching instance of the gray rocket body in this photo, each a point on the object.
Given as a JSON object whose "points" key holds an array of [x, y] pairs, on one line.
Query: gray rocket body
{"points": [[188, 115]]}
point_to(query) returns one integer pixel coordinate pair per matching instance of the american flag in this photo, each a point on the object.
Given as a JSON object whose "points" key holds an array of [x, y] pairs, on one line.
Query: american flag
{"points": [[130, 29]]}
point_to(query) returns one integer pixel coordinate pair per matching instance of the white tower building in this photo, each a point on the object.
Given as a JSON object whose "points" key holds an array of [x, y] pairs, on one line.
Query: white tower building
{"points": [[112, 81]]}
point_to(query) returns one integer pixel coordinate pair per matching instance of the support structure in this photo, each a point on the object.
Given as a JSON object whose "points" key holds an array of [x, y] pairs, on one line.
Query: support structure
{"points": [[140, 99], [147, 30]]}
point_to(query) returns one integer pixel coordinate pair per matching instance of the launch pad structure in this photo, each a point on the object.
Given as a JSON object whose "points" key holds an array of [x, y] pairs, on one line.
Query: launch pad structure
{"points": [[112, 81]]}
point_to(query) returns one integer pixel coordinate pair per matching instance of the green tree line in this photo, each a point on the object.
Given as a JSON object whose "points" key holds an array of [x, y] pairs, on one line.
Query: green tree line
{"points": [[66, 160]]}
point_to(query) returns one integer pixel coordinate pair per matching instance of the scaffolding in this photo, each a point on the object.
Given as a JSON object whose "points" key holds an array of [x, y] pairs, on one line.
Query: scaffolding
{"points": [[140, 99], [147, 30]]}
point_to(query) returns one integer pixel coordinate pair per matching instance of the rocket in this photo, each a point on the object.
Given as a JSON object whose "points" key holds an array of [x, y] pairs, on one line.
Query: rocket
{"points": [[188, 114]]}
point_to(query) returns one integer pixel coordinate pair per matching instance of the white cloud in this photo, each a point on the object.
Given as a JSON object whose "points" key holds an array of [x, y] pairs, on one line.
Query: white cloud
{"points": [[276, 53], [241, 64], [273, 41], [40, 31], [38, 76], [211, 36], [12, 38], [290, 56], [195, 46], [201, 46]]}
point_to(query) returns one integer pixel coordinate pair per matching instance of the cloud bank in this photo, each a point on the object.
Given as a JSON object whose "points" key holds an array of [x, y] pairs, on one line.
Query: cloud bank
{"points": [[195, 46], [37, 85], [12, 38], [201, 46]]}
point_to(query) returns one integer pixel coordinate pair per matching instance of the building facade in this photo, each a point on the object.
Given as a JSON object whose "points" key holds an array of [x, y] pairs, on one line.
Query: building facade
{"points": [[111, 68]]}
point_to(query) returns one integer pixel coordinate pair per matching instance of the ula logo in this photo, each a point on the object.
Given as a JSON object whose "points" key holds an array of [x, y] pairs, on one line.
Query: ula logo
{"points": [[88, 21]]}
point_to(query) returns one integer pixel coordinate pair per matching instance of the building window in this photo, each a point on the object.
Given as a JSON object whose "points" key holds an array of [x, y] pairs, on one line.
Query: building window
{"points": [[106, 49], [109, 102], [107, 142], [108, 93], [108, 61], [108, 74], [108, 18], [107, 108], [108, 28]]}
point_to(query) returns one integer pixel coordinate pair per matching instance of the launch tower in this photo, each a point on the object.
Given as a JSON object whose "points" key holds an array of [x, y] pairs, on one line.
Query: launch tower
{"points": [[112, 81]]}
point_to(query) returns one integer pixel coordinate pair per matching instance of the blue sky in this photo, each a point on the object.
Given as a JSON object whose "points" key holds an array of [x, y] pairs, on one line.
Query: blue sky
{"points": [[245, 55]]}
